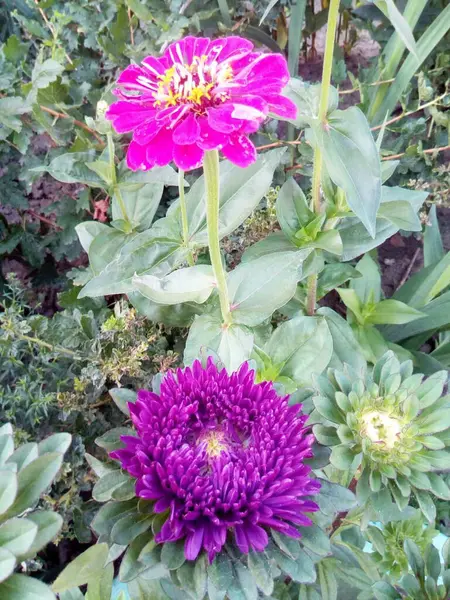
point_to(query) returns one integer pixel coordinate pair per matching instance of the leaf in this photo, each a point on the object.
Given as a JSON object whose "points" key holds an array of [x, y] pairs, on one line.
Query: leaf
{"points": [[401, 214], [58, 442], [220, 575], [327, 581], [388, 168], [352, 302], [351, 159], [233, 344], [6, 448], [8, 489], [45, 72], [140, 205], [400, 24], [110, 482], [10, 107], [71, 168], [258, 288], [393, 312], [172, 554], [33, 480], [342, 457], [346, 349], [368, 286], [433, 250], [292, 208], [306, 97], [260, 570], [301, 569], [246, 582], [17, 535], [191, 284], [129, 527], [88, 231], [7, 564], [302, 347], [21, 587], [100, 588], [240, 192], [334, 498], [131, 567], [334, 275], [83, 568], [48, 526], [140, 10], [415, 559], [122, 396], [425, 285], [266, 12]]}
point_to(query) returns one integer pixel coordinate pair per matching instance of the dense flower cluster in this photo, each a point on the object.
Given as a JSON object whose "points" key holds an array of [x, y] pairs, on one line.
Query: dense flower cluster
{"points": [[220, 453], [200, 95]]}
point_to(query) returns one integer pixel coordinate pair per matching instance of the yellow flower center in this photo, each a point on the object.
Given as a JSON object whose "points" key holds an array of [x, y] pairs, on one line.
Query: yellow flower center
{"points": [[381, 429], [215, 443]]}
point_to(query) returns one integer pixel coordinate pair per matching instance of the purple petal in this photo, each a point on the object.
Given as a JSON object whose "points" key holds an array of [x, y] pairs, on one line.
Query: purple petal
{"points": [[193, 543], [137, 157], [221, 119], [187, 131], [240, 151], [281, 106], [126, 116], [188, 157], [210, 139]]}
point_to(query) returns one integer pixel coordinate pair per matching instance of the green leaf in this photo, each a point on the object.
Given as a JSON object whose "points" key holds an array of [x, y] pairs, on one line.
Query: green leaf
{"points": [[108, 484], [302, 346], [433, 562], [327, 581], [58, 442], [131, 566], [83, 569], [346, 349], [334, 498], [191, 284], [220, 576], [6, 448], [10, 108], [100, 588], [415, 559], [368, 286], [334, 275], [233, 344], [328, 409], [292, 208], [45, 72], [351, 159], [259, 287], [24, 455], [110, 513], [21, 587], [301, 569], [172, 555], [315, 539], [342, 457], [351, 300], [306, 97], [259, 567], [240, 192], [8, 489], [393, 312], [103, 169], [33, 480], [17, 535], [246, 583], [422, 287], [388, 168], [111, 439], [385, 591], [129, 527], [433, 250], [121, 397], [88, 231], [140, 204], [71, 168], [48, 526], [400, 24], [140, 10], [401, 214], [7, 564], [434, 422]]}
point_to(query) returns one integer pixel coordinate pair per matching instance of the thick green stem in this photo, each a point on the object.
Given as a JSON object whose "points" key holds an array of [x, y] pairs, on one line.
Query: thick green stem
{"points": [[184, 217], [112, 166], [333, 14], [211, 172]]}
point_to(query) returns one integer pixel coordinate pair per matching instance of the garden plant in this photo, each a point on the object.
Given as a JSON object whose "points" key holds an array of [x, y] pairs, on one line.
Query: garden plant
{"points": [[214, 393]]}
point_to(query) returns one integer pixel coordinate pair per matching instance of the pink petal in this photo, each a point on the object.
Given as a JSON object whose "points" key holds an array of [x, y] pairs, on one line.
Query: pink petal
{"points": [[210, 139], [156, 66], [240, 151], [137, 157], [146, 132], [281, 106], [128, 115], [188, 157], [193, 544], [242, 61], [183, 51], [160, 149], [187, 131], [221, 119], [226, 47], [264, 66], [249, 108], [136, 78]]}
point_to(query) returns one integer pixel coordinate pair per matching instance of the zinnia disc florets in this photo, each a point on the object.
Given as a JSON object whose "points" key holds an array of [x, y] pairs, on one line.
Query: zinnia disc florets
{"points": [[200, 95], [221, 455]]}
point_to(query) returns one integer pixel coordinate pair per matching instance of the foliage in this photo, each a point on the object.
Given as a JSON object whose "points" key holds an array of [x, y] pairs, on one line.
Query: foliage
{"points": [[25, 474]]}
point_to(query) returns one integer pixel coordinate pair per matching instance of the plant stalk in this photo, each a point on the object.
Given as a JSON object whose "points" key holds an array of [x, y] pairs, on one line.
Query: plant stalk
{"points": [[184, 217], [211, 172], [333, 15], [38, 342], [116, 190]]}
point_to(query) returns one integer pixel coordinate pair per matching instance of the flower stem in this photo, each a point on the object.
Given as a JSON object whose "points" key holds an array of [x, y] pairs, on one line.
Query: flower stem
{"points": [[323, 109], [184, 217], [38, 342], [116, 189], [211, 172]]}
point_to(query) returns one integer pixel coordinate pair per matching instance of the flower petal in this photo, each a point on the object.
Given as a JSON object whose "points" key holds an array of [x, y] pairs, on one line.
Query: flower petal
{"points": [[160, 149], [281, 106], [188, 157], [240, 151], [137, 78], [125, 116], [241, 539], [146, 132], [187, 131], [137, 157], [193, 543], [221, 119], [210, 139]]}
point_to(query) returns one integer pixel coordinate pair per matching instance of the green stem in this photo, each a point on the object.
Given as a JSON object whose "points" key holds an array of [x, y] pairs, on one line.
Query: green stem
{"points": [[38, 342], [225, 12], [211, 172], [115, 187], [333, 14], [184, 217]]}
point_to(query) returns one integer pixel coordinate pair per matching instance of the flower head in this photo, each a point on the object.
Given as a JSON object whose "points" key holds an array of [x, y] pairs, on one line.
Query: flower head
{"points": [[200, 95], [220, 454]]}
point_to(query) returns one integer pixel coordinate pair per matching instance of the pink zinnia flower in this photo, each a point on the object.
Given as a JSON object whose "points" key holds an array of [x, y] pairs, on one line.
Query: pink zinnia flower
{"points": [[200, 95], [223, 458]]}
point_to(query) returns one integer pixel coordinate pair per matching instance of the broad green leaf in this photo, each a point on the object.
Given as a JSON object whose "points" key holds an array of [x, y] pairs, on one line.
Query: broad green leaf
{"points": [[8, 489], [393, 312], [302, 347], [433, 250], [33, 480], [346, 349], [140, 205], [83, 569], [11, 107], [48, 526], [176, 315], [103, 169], [292, 208], [105, 248], [71, 168], [334, 498], [45, 72], [260, 569], [131, 566], [172, 554], [426, 284], [100, 588], [351, 159], [129, 181], [24, 455], [110, 482], [129, 527], [6, 448], [300, 569], [327, 581], [334, 275], [274, 242], [388, 168], [401, 214], [368, 286], [190, 284], [110, 513], [351, 301], [306, 97], [142, 589], [122, 396], [342, 457], [17, 536], [220, 575], [21, 587], [58, 442], [258, 288], [7, 564], [140, 10], [240, 192], [233, 344], [246, 582], [89, 230]]}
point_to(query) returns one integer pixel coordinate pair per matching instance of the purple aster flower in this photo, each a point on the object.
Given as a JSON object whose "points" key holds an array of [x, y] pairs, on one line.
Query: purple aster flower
{"points": [[221, 455], [200, 95]]}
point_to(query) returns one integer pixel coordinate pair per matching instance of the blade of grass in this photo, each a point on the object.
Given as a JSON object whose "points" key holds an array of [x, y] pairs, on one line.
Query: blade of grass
{"points": [[225, 12]]}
